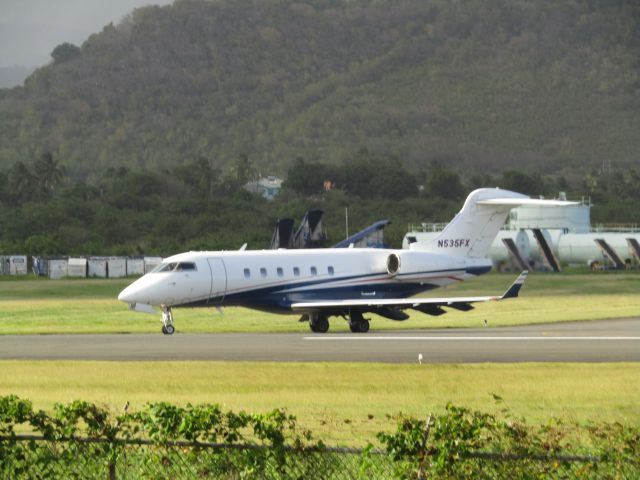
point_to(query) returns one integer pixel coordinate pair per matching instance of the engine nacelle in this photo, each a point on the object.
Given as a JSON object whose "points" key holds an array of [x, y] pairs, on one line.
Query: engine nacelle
{"points": [[393, 264], [405, 264]]}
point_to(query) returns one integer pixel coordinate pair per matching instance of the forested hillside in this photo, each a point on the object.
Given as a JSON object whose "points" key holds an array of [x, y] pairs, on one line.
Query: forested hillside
{"points": [[478, 85]]}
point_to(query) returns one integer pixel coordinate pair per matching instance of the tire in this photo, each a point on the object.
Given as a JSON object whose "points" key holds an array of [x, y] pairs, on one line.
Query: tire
{"points": [[359, 327], [168, 330], [319, 324]]}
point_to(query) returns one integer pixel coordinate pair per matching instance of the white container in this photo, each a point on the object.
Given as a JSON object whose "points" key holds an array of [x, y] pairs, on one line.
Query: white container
{"points": [[135, 266], [151, 262], [77, 267], [17, 265], [97, 267], [57, 269], [117, 267]]}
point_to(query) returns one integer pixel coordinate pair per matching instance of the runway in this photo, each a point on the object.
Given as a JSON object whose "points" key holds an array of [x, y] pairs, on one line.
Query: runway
{"points": [[595, 341]]}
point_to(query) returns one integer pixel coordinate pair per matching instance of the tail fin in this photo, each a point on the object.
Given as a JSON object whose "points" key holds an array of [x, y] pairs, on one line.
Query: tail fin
{"points": [[474, 228]]}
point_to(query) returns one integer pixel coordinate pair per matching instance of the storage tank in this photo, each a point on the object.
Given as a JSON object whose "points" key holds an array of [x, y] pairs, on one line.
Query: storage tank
{"points": [[498, 251], [536, 254], [581, 248]]}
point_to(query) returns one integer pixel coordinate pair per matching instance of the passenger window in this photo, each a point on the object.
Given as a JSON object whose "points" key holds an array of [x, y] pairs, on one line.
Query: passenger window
{"points": [[314, 271], [330, 270], [280, 272], [296, 271], [247, 273], [263, 272]]}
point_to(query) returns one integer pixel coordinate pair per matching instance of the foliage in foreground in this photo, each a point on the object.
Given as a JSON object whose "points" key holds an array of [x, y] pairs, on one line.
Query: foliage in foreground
{"points": [[458, 443]]}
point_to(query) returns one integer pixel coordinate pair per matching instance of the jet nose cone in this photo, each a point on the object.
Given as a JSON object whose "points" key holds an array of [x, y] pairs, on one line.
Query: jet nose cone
{"points": [[127, 295]]}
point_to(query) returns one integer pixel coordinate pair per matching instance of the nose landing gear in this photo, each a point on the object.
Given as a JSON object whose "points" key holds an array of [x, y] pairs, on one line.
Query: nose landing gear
{"points": [[167, 321]]}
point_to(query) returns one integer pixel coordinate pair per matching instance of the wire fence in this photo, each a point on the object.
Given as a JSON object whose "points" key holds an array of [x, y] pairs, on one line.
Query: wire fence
{"points": [[33, 457]]}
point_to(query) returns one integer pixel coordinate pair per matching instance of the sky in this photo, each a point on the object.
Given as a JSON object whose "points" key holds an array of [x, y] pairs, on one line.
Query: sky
{"points": [[31, 29]]}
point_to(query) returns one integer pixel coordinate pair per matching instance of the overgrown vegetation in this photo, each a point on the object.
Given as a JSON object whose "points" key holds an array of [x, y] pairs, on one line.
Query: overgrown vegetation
{"points": [[459, 442], [43, 211]]}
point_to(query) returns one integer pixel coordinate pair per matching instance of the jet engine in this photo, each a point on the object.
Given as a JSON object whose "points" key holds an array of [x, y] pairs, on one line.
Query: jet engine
{"points": [[393, 264]]}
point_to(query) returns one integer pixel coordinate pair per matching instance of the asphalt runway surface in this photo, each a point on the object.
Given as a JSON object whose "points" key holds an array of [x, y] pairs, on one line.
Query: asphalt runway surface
{"points": [[594, 341]]}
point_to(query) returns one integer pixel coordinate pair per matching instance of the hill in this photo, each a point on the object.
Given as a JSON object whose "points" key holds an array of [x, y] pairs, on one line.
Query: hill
{"points": [[477, 85]]}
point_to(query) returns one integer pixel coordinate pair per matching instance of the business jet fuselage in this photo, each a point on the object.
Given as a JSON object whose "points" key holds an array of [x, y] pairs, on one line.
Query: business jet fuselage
{"points": [[347, 282]]}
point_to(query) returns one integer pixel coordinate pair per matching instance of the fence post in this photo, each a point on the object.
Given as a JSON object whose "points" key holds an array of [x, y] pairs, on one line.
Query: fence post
{"points": [[423, 450]]}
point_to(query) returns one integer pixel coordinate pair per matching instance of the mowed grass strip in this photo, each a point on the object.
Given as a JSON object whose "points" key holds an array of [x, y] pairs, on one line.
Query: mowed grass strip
{"points": [[91, 306], [108, 316], [341, 403]]}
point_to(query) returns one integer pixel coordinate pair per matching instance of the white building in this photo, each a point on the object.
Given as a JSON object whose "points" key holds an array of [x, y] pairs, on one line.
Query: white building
{"points": [[269, 187]]}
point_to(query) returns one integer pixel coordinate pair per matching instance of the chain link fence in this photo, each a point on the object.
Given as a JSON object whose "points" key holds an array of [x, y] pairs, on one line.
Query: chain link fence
{"points": [[31, 457]]}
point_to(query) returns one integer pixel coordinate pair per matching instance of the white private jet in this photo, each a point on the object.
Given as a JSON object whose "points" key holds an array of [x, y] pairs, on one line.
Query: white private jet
{"points": [[345, 282]]}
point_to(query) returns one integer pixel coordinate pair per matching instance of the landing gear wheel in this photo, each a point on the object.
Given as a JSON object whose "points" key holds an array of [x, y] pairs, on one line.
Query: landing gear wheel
{"points": [[359, 327], [167, 321], [318, 323], [357, 323], [168, 330]]}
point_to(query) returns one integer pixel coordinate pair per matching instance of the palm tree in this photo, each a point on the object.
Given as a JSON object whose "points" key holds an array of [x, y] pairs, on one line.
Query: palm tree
{"points": [[48, 172]]}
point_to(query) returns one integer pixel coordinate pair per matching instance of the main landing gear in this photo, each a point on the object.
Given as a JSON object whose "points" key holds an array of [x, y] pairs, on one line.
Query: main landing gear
{"points": [[318, 322], [357, 322], [167, 321]]}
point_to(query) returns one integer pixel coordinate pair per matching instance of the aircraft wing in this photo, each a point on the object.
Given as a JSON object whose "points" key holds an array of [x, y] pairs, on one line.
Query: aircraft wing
{"points": [[427, 305]]}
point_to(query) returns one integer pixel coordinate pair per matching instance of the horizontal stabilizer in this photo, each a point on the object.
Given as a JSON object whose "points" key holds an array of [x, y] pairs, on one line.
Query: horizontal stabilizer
{"points": [[517, 202]]}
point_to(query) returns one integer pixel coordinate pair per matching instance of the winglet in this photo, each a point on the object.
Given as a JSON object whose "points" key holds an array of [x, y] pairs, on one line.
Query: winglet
{"points": [[515, 286]]}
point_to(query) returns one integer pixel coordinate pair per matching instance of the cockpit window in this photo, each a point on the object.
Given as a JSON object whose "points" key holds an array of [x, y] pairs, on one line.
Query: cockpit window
{"points": [[175, 267], [164, 267], [185, 266]]}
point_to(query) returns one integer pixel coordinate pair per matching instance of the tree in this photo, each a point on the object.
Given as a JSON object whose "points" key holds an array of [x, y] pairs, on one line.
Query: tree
{"points": [[309, 178], [522, 183], [443, 182], [244, 169], [21, 181], [198, 175], [65, 52], [48, 172]]}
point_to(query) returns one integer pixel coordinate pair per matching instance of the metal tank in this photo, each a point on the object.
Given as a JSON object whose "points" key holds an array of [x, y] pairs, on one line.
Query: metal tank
{"points": [[581, 248], [498, 253]]}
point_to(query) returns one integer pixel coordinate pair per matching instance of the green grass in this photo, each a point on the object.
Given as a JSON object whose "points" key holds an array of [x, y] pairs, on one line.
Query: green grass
{"points": [[339, 402], [90, 306]]}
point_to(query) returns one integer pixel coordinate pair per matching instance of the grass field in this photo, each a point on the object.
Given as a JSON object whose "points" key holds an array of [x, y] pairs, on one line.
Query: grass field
{"points": [[90, 306], [341, 403]]}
